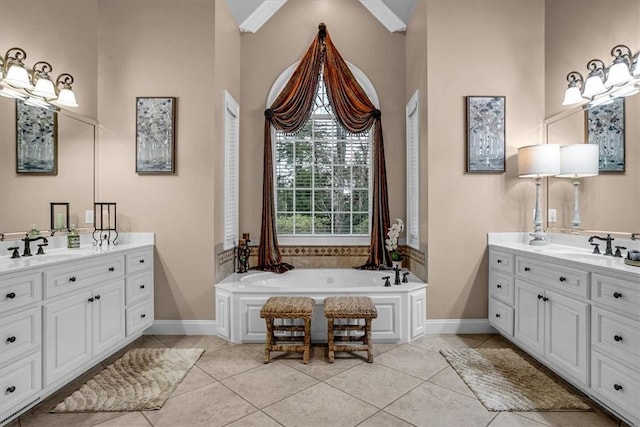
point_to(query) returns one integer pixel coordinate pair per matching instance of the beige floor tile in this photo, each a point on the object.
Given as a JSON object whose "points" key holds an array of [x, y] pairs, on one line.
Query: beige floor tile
{"points": [[431, 405], [594, 418], [319, 366], [257, 419], [320, 405], [414, 361], [230, 361], [196, 378], [45, 419], [269, 383], [132, 419], [439, 342], [383, 419], [496, 341], [208, 342], [213, 405], [449, 379], [374, 383], [509, 419]]}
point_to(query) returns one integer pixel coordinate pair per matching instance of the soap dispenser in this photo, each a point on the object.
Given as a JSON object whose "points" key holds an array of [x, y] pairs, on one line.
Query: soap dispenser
{"points": [[73, 238]]}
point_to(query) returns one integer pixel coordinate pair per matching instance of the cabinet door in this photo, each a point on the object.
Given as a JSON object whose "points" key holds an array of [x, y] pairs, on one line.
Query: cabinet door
{"points": [[529, 314], [67, 337], [566, 344], [108, 316]]}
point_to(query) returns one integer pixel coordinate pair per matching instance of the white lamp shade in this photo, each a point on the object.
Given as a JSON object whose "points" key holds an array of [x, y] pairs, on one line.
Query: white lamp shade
{"points": [[572, 96], [67, 98], [37, 102], [536, 161], [593, 86], [18, 76], [10, 93], [618, 74], [579, 160], [44, 88]]}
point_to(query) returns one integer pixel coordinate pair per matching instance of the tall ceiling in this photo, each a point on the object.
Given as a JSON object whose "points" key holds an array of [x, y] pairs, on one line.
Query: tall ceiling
{"points": [[252, 14]]}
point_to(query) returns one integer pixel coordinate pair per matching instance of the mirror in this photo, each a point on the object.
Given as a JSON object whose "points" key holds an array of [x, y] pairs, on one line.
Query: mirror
{"points": [[26, 197], [610, 201]]}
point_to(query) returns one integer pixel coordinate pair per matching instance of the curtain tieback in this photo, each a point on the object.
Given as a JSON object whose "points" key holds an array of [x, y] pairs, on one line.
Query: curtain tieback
{"points": [[376, 114], [268, 114]]}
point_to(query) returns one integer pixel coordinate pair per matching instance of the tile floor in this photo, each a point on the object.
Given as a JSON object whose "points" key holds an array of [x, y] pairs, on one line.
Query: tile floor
{"points": [[407, 385]]}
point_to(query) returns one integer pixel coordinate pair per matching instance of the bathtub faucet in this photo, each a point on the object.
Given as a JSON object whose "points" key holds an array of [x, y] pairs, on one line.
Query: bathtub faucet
{"points": [[397, 279]]}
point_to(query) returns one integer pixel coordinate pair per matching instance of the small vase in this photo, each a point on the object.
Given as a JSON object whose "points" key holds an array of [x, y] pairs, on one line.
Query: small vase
{"points": [[396, 264]]}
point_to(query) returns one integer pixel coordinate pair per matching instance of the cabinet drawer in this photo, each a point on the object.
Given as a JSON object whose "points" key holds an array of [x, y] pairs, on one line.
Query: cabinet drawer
{"points": [[140, 316], [615, 384], [20, 382], [501, 287], [615, 335], [502, 261], [501, 316], [75, 276], [623, 296], [20, 334], [559, 278], [139, 287], [20, 290], [139, 260]]}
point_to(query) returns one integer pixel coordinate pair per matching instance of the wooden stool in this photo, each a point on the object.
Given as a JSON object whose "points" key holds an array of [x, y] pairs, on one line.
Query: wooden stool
{"points": [[349, 308], [288, 308]]}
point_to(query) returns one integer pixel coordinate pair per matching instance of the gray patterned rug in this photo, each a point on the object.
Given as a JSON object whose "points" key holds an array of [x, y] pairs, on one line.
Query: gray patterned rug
{"points": [[141, 379], [505, 381]]}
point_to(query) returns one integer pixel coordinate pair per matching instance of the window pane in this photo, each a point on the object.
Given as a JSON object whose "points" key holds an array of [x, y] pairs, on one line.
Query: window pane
{"points": [[324, 152], [284, 153], [342, 201], [303, 224], [284, 176], [360, 201], [303, 176], [305, 132], [342, 223], [322, 223], [360, 177], [322, 176], [341, 154], [285, 200], [324, 128], [322, 201], [341, 177], [361, 223], [303, 152], [285, 223], [303, 201]]}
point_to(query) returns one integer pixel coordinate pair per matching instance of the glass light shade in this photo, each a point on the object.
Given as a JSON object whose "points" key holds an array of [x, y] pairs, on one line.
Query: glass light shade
{"points": [[17, 76], [626, 91], [66, 98], [636, 67], [618, 74], [537, 161], [11, 93], [579, 160], [572, 96], [37, 102], [593, 86], [44, 88]]}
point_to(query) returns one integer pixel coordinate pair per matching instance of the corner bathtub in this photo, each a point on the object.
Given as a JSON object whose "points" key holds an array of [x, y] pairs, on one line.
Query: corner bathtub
{"points": [[239, 298]]}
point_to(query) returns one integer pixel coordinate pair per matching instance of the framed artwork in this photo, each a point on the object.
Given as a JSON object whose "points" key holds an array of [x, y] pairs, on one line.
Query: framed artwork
{"points": [[485, 142], [605, 127], [36, 140], [155, 135]]}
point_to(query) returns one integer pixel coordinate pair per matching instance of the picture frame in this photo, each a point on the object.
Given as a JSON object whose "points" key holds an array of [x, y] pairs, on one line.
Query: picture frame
{"points": [[36, 140], [605, 126], [485, 134], [155, 135]]}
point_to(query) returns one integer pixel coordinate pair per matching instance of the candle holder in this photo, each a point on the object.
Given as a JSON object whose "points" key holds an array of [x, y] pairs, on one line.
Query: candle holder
{"points": [[243, 253], [59, 217], [104, 216]]}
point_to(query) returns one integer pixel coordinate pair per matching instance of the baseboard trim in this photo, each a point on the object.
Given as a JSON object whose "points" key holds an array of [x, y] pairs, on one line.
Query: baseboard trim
{"points": [[459, 326], [182, 327]]}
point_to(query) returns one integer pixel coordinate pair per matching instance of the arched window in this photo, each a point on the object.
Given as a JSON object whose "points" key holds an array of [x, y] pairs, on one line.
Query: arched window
{"points": [[323, 174]]}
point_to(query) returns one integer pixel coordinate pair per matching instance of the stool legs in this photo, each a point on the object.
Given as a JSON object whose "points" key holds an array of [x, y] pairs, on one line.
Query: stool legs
{"points": [[307, 340], [367, 340], [270, 338], [330, 343]]}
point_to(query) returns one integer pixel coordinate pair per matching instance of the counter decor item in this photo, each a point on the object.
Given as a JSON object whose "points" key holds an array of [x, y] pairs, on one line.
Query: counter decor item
{"points": [[73, 238], [104, 215], [59, 216], [391, 242], [243, 253]]}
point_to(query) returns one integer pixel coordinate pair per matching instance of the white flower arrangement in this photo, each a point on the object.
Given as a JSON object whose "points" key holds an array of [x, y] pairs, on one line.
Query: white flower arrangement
{"points": [[392, 242]]}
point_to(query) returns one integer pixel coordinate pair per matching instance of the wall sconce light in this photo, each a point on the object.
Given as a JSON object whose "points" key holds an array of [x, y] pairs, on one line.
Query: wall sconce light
{"points": [[621, 78], [34, 86], [578, 161], [538, 161]]}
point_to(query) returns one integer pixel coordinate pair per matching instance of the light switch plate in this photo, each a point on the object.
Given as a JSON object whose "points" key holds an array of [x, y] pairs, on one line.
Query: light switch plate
{"points": [[88, 217], [552, 215]]}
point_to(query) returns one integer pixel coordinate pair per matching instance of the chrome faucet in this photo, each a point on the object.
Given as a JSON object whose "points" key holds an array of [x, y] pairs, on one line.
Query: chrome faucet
{"points": [[27, 240], [607, 239]]}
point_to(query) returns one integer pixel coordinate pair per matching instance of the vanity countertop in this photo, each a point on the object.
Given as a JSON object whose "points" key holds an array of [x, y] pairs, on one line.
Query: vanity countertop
{"points": [[56, 252], [570, 248]]}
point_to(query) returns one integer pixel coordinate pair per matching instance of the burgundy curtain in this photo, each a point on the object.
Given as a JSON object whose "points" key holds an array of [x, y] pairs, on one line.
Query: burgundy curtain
{"points": [[355, 112]]}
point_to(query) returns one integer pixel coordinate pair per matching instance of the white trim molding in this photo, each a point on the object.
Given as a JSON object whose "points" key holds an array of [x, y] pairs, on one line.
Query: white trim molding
{"points": [[459, 326], [385, 15], [182, 327], [261, 15]]}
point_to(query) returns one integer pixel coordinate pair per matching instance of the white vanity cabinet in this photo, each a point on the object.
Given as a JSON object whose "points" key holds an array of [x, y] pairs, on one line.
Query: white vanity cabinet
{"points": [[579, 316], [63, 314]]}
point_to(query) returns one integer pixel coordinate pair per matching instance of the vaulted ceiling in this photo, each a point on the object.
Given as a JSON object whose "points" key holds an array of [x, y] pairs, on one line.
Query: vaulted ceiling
{"points": [[253, 14]]}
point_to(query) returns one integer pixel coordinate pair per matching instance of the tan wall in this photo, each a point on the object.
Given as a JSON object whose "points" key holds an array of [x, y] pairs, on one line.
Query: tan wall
{"points": [[69, 46], [609, 201], [493, 47], [361, 40], [165, 48]]}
